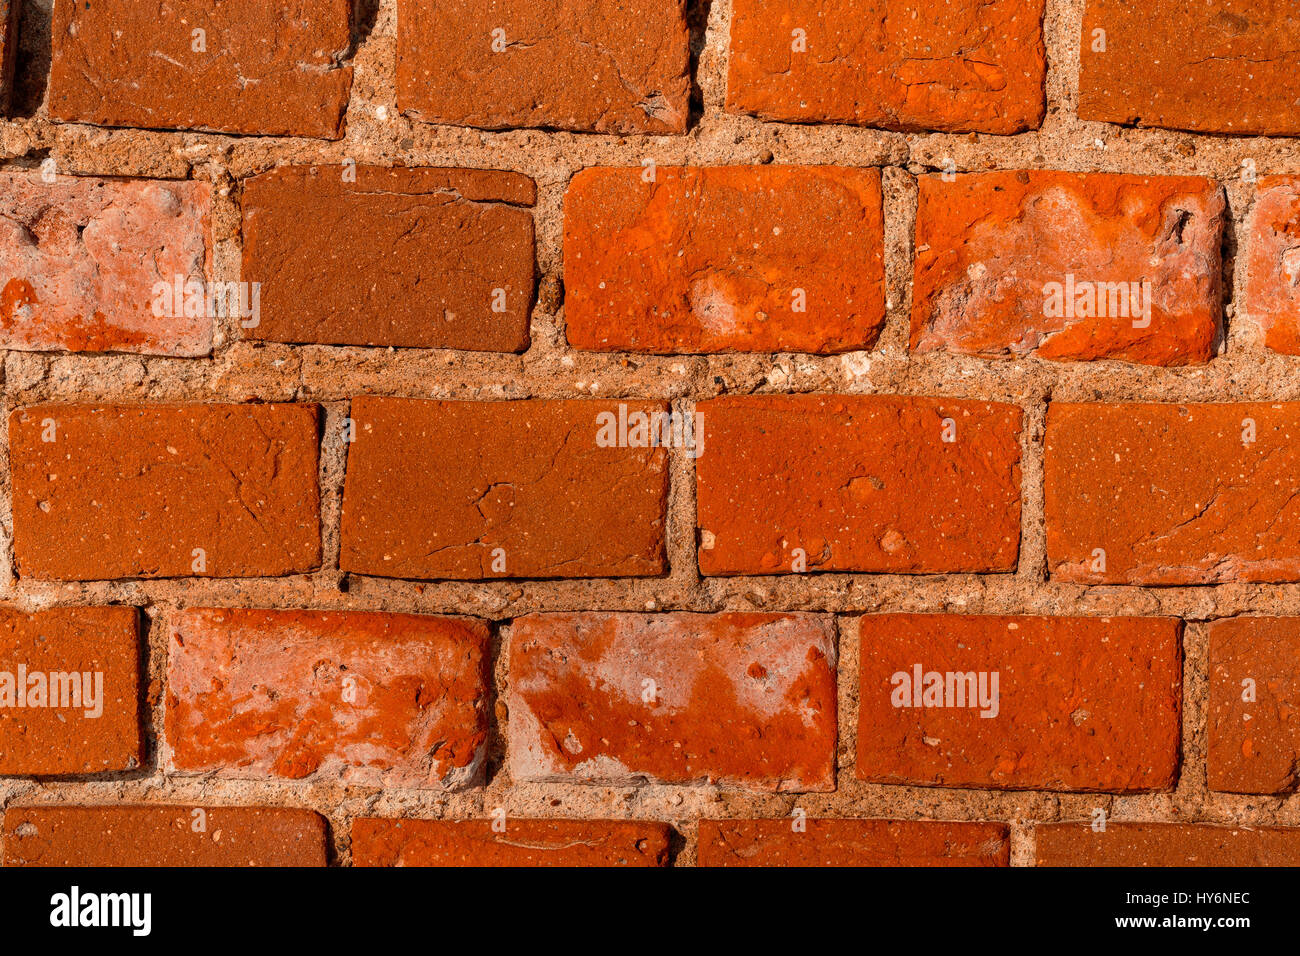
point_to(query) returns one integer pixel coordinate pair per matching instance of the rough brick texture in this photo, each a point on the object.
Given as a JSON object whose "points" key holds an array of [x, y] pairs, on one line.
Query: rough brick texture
{"points": [[163, 836], [518, 842], [325, 250], [1272, 300], [1166, 844], [607, 66], [852, 843], [1069, 266], [470, 490], [1254, 710], [118, 491], [94, 265], [1172, 494], [69, 699], [745, 258], [241, 66], [960, 66], [735, 699], [1078, 703], [394, 700], [858, 484], [1222, 67]]}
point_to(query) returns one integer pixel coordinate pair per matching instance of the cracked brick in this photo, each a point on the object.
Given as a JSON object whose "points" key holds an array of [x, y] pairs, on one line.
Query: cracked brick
{"points": [[1272, 293], [150, 491], [1166, 844], [1172, 494], [520, 842], [1223, 67], [474, 490], [240, 66], [852, 843], [605, 66], [325, 251]]}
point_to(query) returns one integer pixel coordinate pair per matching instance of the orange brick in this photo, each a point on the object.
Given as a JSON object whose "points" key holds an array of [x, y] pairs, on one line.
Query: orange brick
{"points": [[739, 258], [879, 483], [1166, 844], [153, 491], [163, 836], [588, 843], [393, 700], [1272, 296], [468, 490], [84, 262], [959, 66], [275, 70], [1069, 266], [577, 65], [852, 843], [1079, 703], [736, 699], [1254, 715], [69, 699], [1222, 67], [1172, 494]]}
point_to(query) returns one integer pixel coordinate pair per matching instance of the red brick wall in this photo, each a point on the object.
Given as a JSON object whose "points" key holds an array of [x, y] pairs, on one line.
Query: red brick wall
{"points": [[666, 432]]}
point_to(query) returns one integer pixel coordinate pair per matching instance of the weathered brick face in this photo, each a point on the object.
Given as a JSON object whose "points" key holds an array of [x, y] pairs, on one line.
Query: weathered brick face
{"points": [[202, 66], [596, 65], [321, 243], [99, 265], [1069, 267], [756, 259], [851, 483], [742, 699], [1209, 67], [963, 66], [649, 433]]}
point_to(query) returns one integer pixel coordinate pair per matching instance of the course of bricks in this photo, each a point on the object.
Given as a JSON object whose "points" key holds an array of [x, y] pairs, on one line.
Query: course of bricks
{"points": [[979, 323]]}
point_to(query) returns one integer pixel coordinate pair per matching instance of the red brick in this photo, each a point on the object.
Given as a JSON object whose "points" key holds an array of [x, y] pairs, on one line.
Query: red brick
{"points": [[733, 258], [9, 10], [590, 65], [1223, 67], [272, 69], [743, 700], [392, 700], [852, 843], [959, 66], [324, 251], [163, 836], [1254, 745], [1166, 844], [450, 489], [81, 260], [132, 491], [1048, 264], [858, 483], [1272, 295], [1081, 703], [69, 701], [1172, 494], [523, 843]]}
